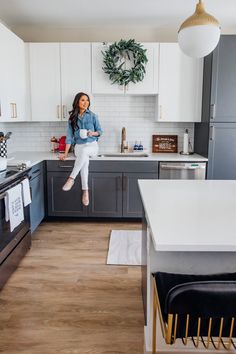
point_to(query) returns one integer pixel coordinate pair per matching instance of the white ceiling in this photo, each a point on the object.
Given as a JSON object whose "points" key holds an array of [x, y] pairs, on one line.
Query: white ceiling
{"points": [[93, 13]]}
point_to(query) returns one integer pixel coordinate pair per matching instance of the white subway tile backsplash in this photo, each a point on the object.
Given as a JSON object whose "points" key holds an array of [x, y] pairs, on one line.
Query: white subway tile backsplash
{"points": [[135, 113]]}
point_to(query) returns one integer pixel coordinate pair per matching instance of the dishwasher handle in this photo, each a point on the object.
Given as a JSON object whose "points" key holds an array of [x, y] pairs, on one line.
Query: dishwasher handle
{"points": [[181, 167]]}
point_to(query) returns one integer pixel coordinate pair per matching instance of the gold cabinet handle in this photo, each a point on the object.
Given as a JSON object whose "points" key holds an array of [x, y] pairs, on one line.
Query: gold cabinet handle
{"points": [[13, 110], [64, 111], [160, 114], [58, 111], [61, 109]]}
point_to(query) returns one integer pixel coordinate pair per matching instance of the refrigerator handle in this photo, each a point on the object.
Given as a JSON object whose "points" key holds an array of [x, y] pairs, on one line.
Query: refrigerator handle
{"points": [[213, 111], [212, 133]]}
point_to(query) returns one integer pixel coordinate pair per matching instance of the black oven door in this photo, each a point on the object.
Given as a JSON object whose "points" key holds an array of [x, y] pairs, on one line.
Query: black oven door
{"points": [[8, 239]]}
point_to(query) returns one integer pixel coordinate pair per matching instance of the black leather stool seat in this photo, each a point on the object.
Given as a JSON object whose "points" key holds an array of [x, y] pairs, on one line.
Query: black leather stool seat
{"points": [[199, 296]]}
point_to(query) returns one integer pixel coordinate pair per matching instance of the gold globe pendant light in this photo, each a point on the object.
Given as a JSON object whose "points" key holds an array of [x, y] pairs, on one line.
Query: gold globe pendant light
{"points": [[199, 34]]}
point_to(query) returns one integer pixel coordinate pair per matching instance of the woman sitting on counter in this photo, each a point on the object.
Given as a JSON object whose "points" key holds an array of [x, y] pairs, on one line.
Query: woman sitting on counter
{"points": [[83, 130]]}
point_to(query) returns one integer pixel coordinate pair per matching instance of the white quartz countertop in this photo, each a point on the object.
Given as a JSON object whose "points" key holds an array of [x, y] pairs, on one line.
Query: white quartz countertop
{"points": [[191, 215], [34, 157]]}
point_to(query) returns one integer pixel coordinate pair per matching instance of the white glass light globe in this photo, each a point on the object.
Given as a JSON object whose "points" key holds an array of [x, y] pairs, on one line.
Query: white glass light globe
{"points": [[198, 41]]}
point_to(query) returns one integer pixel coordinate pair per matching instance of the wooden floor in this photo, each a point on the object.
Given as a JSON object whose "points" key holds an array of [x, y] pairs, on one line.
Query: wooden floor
{"points": [[64, 299]]}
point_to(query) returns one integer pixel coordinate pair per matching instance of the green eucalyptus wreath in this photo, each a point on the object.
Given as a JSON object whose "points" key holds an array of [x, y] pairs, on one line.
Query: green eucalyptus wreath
{"points": [[114, 59]]}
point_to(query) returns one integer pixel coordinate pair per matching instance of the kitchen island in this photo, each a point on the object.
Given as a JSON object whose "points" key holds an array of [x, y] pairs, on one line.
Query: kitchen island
{"points": [[190, 228]]}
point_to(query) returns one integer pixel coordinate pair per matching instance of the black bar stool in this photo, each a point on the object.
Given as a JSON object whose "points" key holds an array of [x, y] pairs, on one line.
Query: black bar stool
{"points": [[200, 308]]}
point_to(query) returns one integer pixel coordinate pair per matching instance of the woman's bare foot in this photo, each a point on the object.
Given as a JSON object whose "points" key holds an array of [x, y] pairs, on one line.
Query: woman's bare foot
{"points": [[85, 197], [68, 185]]}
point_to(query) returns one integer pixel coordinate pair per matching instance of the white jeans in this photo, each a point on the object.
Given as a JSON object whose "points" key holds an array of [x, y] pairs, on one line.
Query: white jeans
{"points": [[82, 154]]}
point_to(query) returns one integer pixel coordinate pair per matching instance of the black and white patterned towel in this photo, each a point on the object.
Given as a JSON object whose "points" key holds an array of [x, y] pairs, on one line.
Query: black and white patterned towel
{"points": [[3, 149]]}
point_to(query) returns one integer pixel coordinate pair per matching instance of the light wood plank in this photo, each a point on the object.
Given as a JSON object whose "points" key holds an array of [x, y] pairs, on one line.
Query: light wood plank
{"points": [[64, 299]]}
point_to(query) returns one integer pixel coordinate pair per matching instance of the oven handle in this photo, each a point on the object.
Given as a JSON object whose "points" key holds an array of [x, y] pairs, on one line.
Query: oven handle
{"points": [[3, 195]]}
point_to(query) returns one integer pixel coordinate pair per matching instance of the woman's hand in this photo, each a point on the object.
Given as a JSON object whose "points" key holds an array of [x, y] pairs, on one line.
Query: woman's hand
{"points": [[62, 157], [91, 133]]}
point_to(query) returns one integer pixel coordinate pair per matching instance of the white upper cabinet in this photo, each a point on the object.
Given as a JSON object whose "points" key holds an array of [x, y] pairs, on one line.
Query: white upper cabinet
{"points": [[149, 85], [75, 72], [45, 85], [180, 85], [58, 71], [12, 77], [101, 83]]}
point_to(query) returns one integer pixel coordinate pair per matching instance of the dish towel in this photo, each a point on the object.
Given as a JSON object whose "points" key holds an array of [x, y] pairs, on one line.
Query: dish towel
{"points": [[14, 206], [26, 192]]}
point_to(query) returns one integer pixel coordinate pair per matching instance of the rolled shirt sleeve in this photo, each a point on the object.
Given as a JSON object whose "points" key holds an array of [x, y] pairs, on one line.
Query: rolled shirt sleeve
{"points": [[97, 126], [69, 136]]}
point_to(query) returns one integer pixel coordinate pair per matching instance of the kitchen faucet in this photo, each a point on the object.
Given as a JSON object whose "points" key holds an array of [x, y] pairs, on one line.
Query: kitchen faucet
{"points": [[123, 140]]}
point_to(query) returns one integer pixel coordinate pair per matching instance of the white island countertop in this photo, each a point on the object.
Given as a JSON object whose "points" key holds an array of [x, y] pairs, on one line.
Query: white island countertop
{"points": [[34, 157], [191, 215]]}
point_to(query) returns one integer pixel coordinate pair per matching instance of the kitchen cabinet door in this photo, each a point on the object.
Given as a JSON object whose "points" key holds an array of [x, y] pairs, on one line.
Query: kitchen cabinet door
{"points": [[12, 77], [222, 148], [45, 82], [62, 203], [75, 73], [223, 102], [105, 194], [132, 204], [149, 85], [180, 86], [101, 83], [37, 207]]}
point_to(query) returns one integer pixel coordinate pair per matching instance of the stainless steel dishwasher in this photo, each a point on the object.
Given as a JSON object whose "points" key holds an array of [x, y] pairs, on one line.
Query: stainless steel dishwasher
{"points": [[182, 170]]}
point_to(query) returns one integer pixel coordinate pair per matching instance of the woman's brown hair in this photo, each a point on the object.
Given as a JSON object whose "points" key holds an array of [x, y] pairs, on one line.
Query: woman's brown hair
{"points": [[75, 110]]}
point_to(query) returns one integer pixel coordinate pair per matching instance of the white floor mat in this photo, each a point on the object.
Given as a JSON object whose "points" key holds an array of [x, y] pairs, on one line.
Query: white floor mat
{"points": [[125, 247]]}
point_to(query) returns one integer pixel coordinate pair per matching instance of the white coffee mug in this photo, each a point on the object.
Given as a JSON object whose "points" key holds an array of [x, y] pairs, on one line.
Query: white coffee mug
{"points": [[83, 133]]}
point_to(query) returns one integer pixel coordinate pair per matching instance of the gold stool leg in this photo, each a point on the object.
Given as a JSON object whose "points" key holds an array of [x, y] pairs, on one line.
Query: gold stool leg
{"points": [[154, 323], [169, 329]]}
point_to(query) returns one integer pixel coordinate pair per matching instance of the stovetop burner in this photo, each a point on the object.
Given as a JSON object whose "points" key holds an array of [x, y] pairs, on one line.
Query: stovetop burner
{"points": [[7, 173], [12, 173]]}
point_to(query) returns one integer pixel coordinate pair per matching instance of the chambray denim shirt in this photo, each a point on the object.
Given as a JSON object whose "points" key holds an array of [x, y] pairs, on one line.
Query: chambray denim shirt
{"points": [[88, 121]]}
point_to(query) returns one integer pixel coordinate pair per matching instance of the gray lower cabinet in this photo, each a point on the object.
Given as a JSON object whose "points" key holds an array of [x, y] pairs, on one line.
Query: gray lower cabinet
{"points": [[113, 188], [132, 204], [62, 203], [106, 194], [37, 206]]}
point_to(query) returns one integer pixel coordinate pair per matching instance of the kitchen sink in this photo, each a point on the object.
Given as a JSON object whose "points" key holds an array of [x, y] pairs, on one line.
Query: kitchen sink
{"points": [[122, 154]]}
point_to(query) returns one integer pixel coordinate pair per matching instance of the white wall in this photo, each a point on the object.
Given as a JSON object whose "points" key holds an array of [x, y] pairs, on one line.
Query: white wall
{"points": [[104, 33], [95, 34], [135, 113]]}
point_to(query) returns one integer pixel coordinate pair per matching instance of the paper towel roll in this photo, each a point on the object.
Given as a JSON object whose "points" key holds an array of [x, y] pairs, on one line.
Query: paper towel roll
{"points": [[186, 140]]}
